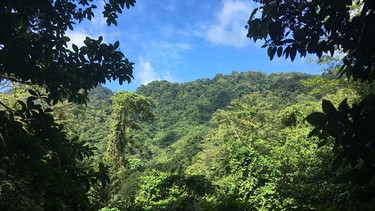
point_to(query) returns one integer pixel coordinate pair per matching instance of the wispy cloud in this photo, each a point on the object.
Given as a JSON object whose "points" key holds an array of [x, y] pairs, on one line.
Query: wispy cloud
{"points": [[146, 73], [165, 52], [169, 49], [229, 28]]}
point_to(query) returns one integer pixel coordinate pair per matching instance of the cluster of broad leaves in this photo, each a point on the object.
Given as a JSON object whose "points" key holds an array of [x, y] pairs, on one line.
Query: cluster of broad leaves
{"points": [[44, 166]]}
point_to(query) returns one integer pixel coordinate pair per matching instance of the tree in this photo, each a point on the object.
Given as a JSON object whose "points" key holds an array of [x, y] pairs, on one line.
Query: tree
{"points": [[322, 27], [259, 154], [41, 167], [318, 27], [34, 47], [128, 110], [165, 191]]}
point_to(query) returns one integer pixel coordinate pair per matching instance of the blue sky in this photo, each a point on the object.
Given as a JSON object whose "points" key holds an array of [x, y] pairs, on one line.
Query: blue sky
{"points": [[186, 40]]}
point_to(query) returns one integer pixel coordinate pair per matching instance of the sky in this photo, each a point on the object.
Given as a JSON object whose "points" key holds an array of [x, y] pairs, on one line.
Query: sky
{"points": [[186, 40]]}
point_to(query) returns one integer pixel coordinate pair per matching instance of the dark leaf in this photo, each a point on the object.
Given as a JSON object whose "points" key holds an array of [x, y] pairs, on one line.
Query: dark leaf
{"points": [[352, 155], [75, 48], [48, 110], [293, 53], [322, 143], [328, 107], [271, 52], [279, 51], [116, 45], [33, 93], [24, 107], [365, 175], [344, 105], [315, 132], [337, 162], [317, 119], [253, 13]]}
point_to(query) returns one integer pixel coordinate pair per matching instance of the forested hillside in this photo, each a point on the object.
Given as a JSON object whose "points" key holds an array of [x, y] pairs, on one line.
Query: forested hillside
{"points": [[237, 141], [244, 141]]}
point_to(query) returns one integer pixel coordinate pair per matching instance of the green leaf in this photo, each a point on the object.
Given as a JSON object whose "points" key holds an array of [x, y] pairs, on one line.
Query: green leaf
{"points": [[66, 39]]}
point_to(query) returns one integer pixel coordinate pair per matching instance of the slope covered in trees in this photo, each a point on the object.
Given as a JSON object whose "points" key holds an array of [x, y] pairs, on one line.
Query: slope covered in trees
{"points": [[320, 28], [246, 135], [237, 141]]}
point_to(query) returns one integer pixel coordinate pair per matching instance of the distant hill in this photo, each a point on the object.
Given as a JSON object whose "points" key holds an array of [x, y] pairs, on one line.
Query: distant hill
{"points": [[218, 130]]}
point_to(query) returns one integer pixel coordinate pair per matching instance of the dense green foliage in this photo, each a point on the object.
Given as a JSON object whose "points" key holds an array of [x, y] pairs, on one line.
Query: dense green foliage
{"points": [[318, 27], [322, 27], [245, 141], [128, 110], [43, 166], [249, 150], [34, 47]]}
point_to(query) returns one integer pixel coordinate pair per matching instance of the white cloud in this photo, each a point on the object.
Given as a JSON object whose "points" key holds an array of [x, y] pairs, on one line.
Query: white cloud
{"points": [[230, 27], [98, 19], [167, 75], [93, 29], [147, 73], [76, 37]]}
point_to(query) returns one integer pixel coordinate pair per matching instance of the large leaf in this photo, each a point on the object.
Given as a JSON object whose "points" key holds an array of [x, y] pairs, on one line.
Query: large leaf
{"points": [[344, 105], [328, 107], [317, 119]]}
